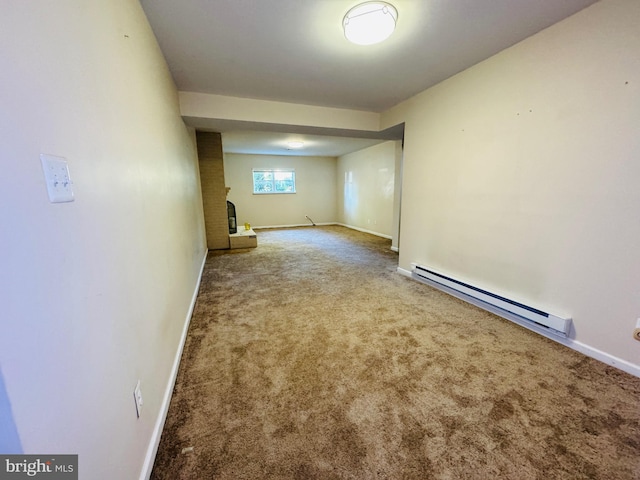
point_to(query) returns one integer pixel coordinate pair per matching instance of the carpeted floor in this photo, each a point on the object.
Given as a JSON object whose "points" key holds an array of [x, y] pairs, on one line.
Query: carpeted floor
{"points": [[311, 358]]}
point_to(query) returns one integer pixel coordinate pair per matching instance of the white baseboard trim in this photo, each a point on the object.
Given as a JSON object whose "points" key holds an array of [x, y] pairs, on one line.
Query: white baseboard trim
{"points": [[154, 443], [604, 357], [377, 234], [364, 230], [404, 273], [291, 226], [395, 249], [583, 348]]}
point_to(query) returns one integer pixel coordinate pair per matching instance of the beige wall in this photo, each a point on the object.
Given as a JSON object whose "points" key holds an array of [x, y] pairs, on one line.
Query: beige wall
{"points": [[315, 186], [366, 185], [397, 196], [521, 174], [199, 107], [94, 294]]}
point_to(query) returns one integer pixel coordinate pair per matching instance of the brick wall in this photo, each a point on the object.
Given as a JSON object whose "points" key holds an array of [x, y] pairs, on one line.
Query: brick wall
{"points": [[214, 194]]}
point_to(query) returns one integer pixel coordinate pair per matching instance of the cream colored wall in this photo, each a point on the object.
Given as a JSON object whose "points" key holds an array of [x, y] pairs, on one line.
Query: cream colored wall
{"points": [[315, 187], [366, 185], [94, 293], [397, 196], [204, 106], [521, 174]]}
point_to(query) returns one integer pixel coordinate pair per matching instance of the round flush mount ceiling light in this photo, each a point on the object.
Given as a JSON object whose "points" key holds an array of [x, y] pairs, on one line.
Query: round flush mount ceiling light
{"points": [[295, 144], [370, 22]]}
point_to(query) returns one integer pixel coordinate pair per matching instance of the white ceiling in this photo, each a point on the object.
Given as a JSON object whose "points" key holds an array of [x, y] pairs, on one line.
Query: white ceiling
{"points": [[295, 51]]}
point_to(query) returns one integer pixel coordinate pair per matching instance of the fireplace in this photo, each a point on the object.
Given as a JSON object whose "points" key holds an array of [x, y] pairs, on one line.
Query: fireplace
{"points": [[231, 213]]}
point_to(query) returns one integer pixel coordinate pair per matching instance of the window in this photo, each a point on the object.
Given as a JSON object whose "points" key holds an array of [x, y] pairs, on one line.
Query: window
{"points": [[274, 181]]}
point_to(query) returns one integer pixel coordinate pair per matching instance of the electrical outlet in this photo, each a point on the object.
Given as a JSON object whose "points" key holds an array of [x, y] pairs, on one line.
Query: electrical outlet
{"points": [[137, 396]]}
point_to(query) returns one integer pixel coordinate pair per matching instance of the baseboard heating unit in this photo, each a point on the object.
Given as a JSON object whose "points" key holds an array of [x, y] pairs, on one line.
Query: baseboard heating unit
{"points": [[511, 310]]}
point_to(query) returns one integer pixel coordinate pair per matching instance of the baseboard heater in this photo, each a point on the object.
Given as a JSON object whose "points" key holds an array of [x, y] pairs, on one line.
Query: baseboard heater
{"points": [[504, 307]]}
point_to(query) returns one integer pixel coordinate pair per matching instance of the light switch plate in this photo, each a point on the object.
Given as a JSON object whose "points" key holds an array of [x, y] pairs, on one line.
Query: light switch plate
{"points": [[56, 173]]}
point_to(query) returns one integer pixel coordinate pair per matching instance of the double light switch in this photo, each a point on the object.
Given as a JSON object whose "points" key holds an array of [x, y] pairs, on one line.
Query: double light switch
{"points": [[56, 173]]}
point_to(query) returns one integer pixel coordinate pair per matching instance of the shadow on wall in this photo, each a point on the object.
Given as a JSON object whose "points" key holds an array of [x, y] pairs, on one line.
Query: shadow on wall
{"points": [[9, 439]]}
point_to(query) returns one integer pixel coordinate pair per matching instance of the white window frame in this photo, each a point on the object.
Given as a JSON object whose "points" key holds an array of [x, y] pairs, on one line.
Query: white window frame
{"points": [[274, 172]]}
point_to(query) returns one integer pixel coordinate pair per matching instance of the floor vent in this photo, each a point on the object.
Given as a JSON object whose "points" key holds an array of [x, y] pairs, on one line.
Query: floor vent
{"points": [[518, 312]]}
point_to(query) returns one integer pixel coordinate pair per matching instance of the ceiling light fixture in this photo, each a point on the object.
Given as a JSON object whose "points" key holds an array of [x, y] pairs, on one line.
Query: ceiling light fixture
{"points": [[295, 144], [370, 22]]}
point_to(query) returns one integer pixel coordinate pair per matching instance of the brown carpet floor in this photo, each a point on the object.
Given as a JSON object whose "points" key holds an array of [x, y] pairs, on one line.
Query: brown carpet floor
{"points": [[311, 358]]}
